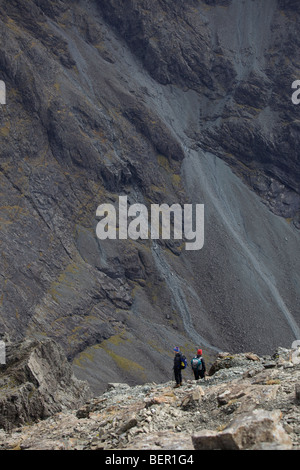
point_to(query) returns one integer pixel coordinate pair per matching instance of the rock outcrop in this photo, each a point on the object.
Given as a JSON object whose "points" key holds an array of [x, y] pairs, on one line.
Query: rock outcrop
{"points": [[259, 429], [36, 382], [247, 406]]}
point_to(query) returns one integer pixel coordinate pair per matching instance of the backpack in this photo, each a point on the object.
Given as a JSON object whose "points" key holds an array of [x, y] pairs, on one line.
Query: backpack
{"points": [[183, 362], [197, 363]]}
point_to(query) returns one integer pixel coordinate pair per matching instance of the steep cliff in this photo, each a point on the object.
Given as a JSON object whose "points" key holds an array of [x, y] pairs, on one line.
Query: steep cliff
{"points": [[165, 102]]}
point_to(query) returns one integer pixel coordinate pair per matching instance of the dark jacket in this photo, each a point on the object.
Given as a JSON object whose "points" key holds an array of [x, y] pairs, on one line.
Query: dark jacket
{"points": [[177, 361]]}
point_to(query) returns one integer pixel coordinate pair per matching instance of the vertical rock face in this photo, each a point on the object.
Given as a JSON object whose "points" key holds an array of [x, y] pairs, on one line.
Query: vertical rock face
{"points": [[151, 100], [36, 382]]}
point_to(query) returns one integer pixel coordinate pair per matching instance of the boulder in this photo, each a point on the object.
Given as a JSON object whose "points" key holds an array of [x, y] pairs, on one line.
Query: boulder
{"points": [[192, 400], [252, 357], [229, 361], [256, 430], [129, 424], [36, 382]]}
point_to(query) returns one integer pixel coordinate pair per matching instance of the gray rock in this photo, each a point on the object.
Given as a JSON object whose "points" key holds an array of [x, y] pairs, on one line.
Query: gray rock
{"points": [[248, 431], [36, 382], [117, 386], [192, 400], [131, 423]]}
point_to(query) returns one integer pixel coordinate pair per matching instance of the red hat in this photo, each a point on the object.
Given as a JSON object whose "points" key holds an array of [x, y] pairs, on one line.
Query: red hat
{"points": [[199, 352]]}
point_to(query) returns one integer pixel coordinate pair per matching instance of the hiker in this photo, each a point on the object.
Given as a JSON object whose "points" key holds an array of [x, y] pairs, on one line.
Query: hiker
{"points": [[198, 365], [177, 367]]}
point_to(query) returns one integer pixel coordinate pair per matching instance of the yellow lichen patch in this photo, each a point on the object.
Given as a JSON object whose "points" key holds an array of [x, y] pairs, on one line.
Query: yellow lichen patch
{"points": [[12, 25], [124, 363], [176, 182], [13, 92], [71, 268], [115, 340], [189, 350], [56, 86], [77, 333], [100, 46], [155, 189], [85, 356], [5, 130], [273, 382], [65, 279], [163, 162], [154, 346], [153, 291], [176, 179], [10, 214], [136, 288]]}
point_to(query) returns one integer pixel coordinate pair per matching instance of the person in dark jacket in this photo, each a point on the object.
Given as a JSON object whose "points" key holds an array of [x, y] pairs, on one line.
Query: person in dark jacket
{"points": [[198, 365], [177, 367]]}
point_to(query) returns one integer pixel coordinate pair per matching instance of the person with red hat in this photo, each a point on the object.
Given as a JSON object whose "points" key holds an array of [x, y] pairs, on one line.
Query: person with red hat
{"points": [[198, 365]]}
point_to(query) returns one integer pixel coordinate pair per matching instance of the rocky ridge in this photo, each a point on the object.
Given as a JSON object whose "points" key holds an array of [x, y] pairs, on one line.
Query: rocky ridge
{"points": [[246, 402], [36, 382]]}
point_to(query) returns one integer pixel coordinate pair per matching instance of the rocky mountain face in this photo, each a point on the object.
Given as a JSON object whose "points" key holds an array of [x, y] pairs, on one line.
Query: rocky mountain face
{"points": [[164, 102], [246, 402], [241, 58]]}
